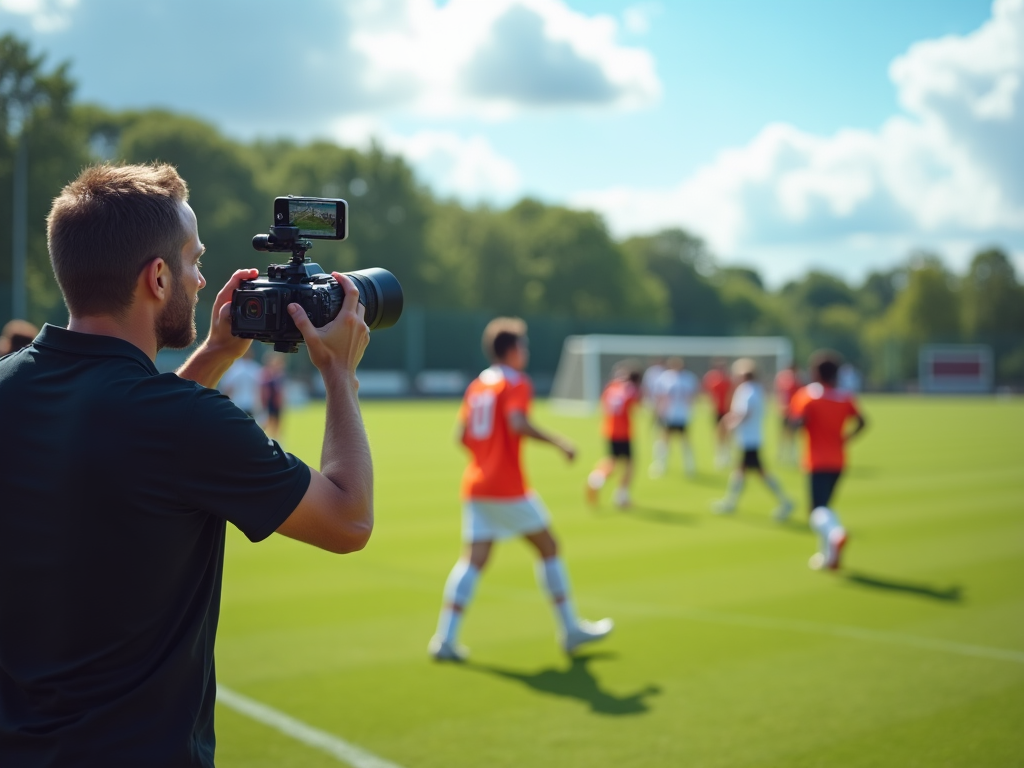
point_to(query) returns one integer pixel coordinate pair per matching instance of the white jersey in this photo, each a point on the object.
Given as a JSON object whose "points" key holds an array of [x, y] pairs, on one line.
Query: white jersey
{"points": [[674, 393], [650, 377], [748, 403], [241, 382]]}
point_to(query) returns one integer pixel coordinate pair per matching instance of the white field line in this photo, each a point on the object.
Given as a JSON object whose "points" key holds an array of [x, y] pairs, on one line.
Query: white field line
{"points": [[334, 746]]}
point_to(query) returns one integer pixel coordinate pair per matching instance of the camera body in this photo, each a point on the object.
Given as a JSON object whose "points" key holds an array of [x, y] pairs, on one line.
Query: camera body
{"points": [[259, 307]]}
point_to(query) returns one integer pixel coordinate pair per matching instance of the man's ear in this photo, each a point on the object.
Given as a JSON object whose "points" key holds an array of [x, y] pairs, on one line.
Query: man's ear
{"points": [[155, 279]]}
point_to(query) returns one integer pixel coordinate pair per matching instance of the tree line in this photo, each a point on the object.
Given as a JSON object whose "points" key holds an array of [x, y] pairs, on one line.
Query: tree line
{"points": [[530, 258]]}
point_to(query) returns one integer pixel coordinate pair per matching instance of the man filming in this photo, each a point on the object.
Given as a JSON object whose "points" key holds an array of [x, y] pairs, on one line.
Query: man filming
{"points": [[121, 479]]}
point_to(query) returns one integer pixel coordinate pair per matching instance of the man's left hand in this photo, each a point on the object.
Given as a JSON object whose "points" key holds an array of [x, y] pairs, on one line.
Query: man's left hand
{"points": [[220, 341]]}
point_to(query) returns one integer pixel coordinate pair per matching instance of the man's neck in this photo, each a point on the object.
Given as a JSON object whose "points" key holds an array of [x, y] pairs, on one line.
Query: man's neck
{"points": [[138, 333]]}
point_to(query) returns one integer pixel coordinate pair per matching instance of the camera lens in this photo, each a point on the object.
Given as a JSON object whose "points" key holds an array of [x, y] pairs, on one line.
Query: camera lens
{"points": [[381, 294], [252, 309]]}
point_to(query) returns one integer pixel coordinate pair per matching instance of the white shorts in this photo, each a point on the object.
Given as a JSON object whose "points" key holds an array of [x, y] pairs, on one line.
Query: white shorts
{"points": [[493, 519]]}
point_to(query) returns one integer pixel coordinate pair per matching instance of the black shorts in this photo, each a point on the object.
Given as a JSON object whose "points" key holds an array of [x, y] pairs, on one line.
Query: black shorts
{"points": [[751, 459], [676, 426], [823, 485], [620, 449]]}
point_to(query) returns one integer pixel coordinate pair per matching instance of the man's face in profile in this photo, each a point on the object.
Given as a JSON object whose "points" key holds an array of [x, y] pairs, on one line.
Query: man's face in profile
{"points": [[176, 326]]}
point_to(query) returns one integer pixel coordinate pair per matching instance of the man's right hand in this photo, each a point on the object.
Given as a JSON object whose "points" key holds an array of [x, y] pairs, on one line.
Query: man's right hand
{"points": [[338, 346]]}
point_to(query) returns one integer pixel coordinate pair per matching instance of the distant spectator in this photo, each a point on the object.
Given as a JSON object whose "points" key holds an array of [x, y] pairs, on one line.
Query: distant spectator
{"points": [[16, 335], [272, 381], [787, 384], [849, 378]]}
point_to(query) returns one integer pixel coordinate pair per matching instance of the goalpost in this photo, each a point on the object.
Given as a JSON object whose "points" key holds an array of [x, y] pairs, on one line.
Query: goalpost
{"points": [[586, 362]]}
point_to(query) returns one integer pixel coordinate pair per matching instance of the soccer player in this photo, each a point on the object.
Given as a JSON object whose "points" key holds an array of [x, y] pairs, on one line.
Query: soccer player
{"points": [[617, 401], [719, 388], [744, 419], [497, 502], [242, 383], [823, 410], [674, 392], [787, 382]]}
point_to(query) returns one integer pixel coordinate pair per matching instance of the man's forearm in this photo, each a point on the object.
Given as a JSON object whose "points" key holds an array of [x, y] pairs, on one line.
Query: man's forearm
{"points": [[345, 459], [206, 367]]}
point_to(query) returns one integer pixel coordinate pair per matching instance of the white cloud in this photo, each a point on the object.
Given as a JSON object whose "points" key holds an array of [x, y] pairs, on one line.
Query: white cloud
{"points": [[637, 18], [46, 15], [951, 170], [497, 58], [468, 168]]}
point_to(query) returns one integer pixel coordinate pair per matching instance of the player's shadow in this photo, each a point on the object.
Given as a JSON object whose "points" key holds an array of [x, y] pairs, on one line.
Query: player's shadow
{"points": [[663, 516], [952, 594], [577, 682]]}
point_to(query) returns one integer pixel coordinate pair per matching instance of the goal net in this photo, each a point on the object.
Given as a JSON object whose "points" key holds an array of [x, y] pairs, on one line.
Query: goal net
{"points": [[586, 362]]}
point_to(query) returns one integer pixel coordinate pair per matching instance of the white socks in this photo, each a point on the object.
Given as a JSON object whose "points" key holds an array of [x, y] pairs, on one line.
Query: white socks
{"points": [[775, 488], [596, 479], [736, 480], [458, 591], [555, 581], [823, 522]]}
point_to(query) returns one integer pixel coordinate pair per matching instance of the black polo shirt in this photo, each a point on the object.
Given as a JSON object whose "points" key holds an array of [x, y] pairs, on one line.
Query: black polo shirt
{"points": [[115, 485]]}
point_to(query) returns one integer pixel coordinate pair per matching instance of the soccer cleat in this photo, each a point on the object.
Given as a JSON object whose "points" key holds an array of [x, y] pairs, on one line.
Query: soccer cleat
{"points": [[836, 542], [442, 650], [723, 507], [591, 494], [586, 632], [783, 511], [622, 500], [817, 561]]}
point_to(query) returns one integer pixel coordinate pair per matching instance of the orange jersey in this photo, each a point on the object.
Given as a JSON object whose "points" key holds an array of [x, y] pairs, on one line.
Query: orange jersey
{"points": [[617, 400], [495, 470], [824, 411], [787, 384], [719, 388]]}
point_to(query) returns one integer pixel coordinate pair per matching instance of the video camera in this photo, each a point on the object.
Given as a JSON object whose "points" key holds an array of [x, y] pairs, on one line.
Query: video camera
{"points": [[259, 307]]}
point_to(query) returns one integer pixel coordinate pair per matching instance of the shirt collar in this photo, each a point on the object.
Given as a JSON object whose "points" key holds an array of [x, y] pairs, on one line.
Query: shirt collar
{"points": [[91, 344]]}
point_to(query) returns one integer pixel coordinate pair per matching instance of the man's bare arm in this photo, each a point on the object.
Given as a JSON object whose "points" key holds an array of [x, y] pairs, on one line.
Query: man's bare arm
{"points": [[336, 513], [519, 423]]}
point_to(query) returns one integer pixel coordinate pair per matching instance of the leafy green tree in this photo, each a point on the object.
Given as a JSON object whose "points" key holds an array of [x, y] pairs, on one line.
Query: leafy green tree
{"points": [[680, 262], [37, 103]]}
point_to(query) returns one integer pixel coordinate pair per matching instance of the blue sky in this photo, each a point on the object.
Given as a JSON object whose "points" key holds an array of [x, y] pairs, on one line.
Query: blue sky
{"points": [[790, 134]]}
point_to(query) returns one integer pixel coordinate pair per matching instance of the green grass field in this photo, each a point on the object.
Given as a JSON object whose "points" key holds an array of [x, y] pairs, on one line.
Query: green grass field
{"points": [[728, 650]]}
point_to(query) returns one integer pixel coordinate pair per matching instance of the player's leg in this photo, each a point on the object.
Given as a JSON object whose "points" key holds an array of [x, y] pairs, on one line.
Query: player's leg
{"points": [[622, 498], [479, 532], [734, 489], [785, 507], [689, 463], [825, 522], [554, 579], [599, 476]]}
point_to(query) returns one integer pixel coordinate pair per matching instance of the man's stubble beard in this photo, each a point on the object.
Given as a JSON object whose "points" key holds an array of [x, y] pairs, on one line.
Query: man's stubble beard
{"points": [[176, 326]]}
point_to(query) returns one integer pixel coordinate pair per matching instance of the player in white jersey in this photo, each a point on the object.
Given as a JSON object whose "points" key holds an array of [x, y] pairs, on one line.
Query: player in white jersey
{"points": [[745, 421], [674, 392], [241, 383]]}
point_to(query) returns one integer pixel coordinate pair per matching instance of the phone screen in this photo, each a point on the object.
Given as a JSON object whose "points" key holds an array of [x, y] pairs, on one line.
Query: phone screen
{"points": [[321, 218]]}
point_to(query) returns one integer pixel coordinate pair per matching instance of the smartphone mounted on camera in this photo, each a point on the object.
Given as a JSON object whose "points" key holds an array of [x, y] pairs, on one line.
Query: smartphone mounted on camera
{"points": [[318, 218]]}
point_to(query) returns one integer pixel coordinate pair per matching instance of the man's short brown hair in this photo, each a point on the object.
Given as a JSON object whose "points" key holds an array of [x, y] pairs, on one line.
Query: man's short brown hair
{"points": [[501, 335], [108, 224]]}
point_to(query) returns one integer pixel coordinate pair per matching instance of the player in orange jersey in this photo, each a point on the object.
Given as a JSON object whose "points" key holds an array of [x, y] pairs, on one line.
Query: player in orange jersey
{"points": [[718, 386], [823, 410], [497, 502], [787, 383], [617, 401]]}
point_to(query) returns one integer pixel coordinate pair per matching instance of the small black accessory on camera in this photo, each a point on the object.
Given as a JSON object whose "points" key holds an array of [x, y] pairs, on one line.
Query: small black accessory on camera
{"points": [[259, 308]]}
